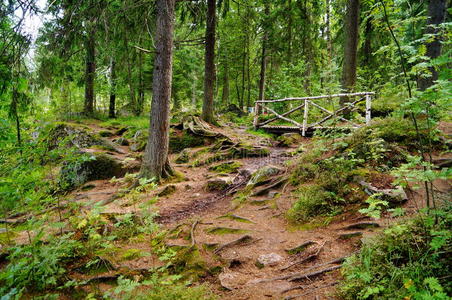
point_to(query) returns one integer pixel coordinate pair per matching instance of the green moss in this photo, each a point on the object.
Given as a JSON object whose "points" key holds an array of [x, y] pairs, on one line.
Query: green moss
{"points": [[313, 200], [226, 167], [225, 230]]}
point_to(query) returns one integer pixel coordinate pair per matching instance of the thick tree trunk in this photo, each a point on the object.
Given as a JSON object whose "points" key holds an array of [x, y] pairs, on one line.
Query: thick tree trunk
{"points": [[209, 71], [155, 160], [436, 16], [112, 107], [90, 72], [225, 94], [350, 48]]}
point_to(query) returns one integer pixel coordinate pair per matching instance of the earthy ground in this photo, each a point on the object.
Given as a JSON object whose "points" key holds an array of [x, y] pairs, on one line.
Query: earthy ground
{"points": [[258, 221]]}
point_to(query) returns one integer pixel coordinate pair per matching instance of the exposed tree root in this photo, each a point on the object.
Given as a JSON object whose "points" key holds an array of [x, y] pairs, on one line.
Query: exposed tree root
{"points": [[305, 293], [246, 239], [308, 258], [314, 274]]}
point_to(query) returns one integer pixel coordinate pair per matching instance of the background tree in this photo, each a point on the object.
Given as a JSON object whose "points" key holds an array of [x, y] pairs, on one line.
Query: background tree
{"points": [[209, 72], [155, 160]]}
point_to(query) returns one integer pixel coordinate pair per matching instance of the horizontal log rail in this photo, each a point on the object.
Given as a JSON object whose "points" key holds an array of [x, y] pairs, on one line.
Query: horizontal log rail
{"points": [[261, 105]]}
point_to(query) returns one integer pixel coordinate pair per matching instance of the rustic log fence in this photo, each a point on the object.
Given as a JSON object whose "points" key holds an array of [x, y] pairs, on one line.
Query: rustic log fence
{"points": [[307, 102]]}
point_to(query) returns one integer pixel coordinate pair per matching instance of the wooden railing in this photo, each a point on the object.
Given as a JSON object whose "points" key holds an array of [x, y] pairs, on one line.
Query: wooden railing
{"points": [[260, 107]]}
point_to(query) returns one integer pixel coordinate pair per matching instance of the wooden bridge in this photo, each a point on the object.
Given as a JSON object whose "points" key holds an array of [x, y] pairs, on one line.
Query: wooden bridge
{"points": [[306, 105]]}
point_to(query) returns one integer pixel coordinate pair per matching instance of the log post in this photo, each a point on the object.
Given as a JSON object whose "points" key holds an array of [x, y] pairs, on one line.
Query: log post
{"points": [[256, 115], [368, 108], [305, 117]]}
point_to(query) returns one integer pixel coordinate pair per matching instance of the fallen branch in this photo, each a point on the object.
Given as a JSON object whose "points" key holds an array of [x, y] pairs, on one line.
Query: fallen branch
{"points": [[314, 274], [305, 293], [308, 258], [263, 190]]}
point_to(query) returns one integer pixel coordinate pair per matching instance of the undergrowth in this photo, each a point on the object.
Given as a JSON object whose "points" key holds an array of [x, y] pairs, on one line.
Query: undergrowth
{"points": [[410, 260]]}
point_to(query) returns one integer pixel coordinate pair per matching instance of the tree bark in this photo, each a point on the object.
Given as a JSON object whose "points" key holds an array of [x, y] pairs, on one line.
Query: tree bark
{"points": [[350, 48], [436, 16], [90, 72], [112, 107], [155, 161], [209, 71]]}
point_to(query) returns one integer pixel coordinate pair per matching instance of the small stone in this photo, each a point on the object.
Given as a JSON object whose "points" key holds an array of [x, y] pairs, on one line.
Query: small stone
{"points": [[270, 259], [227, 280]]}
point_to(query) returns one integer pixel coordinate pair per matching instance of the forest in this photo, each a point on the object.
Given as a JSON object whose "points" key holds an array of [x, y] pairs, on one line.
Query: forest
{"points": [[225, 149]]}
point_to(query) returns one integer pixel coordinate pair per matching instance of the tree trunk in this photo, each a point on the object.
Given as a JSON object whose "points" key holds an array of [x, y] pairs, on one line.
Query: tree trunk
{"points": [[225, 94], [436, 15], [112, 107], [155, 160], [90, 72], [350, 48], [263, 57], [328, 32], [209, 71]]}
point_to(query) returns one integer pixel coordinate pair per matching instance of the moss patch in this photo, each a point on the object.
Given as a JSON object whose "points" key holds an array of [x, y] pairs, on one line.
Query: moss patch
{"points": [[226, 167]]}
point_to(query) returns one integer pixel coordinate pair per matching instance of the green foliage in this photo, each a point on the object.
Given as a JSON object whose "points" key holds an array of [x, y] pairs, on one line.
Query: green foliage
{"points": [[406, 261], [38, 266], [157, 288]]}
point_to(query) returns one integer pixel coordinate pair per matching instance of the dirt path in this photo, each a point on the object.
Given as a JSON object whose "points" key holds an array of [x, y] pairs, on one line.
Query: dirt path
{"points": [[252, 233]]}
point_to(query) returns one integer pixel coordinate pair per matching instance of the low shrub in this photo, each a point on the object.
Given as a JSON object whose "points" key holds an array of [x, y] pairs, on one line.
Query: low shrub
{"points": [[410, 260]]}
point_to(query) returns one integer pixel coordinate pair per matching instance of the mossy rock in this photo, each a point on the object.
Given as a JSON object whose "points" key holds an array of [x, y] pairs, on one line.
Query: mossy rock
{"points": [[92, 167], [226, 167], [71, 135], [218, 184], [263, 175]]}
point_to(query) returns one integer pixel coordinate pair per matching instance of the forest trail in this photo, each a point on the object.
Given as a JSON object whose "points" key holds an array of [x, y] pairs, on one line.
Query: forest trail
{"points": [[249, 231], [262, 256]]}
